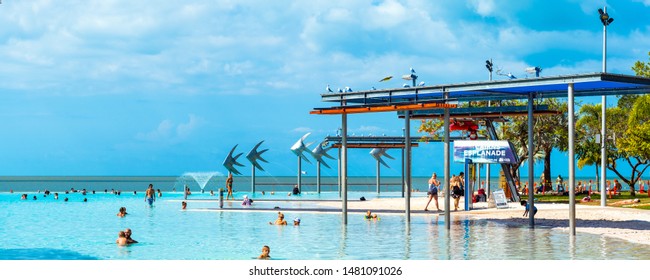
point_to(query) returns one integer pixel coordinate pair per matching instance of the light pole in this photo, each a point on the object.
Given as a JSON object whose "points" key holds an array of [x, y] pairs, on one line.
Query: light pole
{"points": [[605, 20], [488, 65]]}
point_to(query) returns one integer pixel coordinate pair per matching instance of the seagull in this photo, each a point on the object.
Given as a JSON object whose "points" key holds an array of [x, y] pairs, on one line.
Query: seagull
{"points": [[373, 88], [386, 78], [412, 70], [328, 88], [421, 84], [406, 86], [339, 90], [511, 76], [348, 89]]}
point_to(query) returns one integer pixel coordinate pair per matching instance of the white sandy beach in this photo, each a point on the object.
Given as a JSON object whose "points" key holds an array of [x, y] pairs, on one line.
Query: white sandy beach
{"points": [[626, 223]]}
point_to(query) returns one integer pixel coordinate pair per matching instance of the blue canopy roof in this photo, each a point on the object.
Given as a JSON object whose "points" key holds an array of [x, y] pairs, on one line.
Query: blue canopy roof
{"points": [[593, 84]]}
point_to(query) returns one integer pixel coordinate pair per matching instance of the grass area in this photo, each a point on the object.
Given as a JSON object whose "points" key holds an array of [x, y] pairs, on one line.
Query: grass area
{"points": [[595, 199]]}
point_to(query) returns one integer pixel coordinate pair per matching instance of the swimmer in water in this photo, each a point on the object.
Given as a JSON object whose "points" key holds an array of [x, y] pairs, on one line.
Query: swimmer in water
{"points": [[280, 221], [266, 250]]}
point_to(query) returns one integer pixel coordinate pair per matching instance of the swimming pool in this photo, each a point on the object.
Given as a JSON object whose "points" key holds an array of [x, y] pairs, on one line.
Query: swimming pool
{"points": [[53, 229]]}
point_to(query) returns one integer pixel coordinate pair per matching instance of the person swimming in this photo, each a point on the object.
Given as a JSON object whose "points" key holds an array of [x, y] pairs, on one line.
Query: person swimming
{"points": [[368, 215], [247, 201], [266, 251], [280, 221], [122, 212]]}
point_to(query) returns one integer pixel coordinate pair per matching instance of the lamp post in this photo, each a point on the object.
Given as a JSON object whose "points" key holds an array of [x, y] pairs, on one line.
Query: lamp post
{"points": [[488, 65], [605, 20]]}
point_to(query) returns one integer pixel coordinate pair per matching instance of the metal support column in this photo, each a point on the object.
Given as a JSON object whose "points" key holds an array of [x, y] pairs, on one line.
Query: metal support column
{"points": [[467, 183], [318, 178], [447, 166], [572, 167], [603, 129], [299, 173], [531, 163], [407, 164], [253, 179], [378, 176], [487, 179], [344, 167], [339, 171], [402, 172]]}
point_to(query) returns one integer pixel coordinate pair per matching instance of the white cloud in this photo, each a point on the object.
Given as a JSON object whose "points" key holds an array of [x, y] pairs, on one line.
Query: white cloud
{"points": [[483, 7], [302, 129], [169, 132], [162, 132]]}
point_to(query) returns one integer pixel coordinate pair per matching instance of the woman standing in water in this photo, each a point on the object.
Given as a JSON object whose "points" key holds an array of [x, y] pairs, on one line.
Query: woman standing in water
{"points": [[229, 186]]}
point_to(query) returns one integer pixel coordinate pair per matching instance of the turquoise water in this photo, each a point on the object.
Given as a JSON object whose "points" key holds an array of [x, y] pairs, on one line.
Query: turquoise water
{"points": [[53, 229]]}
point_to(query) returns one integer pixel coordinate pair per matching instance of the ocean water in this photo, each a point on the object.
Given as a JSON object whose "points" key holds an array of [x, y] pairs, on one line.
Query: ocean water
{"points": [[52, 229], [241, 183]]}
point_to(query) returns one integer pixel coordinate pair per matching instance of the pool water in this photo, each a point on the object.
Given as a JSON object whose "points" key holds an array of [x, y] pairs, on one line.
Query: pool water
{"points": [[53, 229]]}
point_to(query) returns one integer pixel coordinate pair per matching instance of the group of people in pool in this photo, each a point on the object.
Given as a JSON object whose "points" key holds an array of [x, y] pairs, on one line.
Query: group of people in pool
{"points": [[280, 221], [124, 238]]}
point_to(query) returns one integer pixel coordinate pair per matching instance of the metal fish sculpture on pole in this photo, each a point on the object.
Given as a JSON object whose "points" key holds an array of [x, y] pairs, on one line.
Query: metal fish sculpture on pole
{"points": [[377, 153], [319, 152], [253, 156], [299, 148], [231, 161]]}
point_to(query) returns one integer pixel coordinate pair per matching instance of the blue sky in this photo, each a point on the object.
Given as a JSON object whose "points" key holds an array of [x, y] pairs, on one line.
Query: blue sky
{"points": [[135, 88]]}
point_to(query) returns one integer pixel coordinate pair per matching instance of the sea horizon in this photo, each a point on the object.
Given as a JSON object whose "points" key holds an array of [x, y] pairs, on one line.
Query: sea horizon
{"points": [[241, 183]]}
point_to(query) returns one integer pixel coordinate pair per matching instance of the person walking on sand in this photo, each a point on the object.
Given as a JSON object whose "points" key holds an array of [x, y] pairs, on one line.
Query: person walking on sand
{"points": [[434, 184], [150, 195], [229, 186]]}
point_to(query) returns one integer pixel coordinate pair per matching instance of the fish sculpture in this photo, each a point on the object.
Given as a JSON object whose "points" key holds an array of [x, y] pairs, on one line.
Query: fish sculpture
{"points": [[231, 161], [253, 156], [299, 148], [321, 151], [377, 153]]}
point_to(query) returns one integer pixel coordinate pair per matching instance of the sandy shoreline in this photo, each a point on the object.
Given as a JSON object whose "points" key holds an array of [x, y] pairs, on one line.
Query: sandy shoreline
{"points": [[629, 224]]}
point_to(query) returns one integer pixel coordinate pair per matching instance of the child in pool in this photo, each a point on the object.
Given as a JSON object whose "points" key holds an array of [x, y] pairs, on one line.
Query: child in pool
{"points": [[121, 239]]}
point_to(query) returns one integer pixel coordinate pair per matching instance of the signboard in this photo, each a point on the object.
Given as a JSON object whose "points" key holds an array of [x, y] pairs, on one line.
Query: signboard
{"points": [[500, 199], [484, 151]]}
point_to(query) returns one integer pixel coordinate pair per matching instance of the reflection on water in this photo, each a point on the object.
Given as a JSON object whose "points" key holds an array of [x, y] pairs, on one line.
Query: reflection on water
{"points": [[76, 230]]}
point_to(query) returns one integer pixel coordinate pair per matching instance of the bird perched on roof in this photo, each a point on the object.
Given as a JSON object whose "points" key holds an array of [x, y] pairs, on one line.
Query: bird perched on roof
{"points": [[348, 89], [386, 78], [412, 70], [511, 76], [406, 86], [328, 88], [339, 90], [421, 84]]}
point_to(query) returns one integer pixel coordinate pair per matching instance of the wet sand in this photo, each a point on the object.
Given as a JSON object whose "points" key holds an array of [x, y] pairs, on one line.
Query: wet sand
{"points": [[626, 223]]}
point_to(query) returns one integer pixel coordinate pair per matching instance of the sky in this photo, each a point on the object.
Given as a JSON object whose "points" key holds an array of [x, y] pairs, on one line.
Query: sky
{"points": [[133, 88]]}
